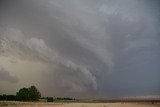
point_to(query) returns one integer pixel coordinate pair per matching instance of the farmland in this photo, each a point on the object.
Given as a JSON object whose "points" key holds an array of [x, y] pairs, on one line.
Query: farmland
{"points": [[61, 104]]}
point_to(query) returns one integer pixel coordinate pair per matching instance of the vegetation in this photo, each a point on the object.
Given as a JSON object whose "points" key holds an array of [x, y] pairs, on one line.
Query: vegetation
{"points": [[28, 94], [65, 98], [24, 94], [50, 99], [8, 97], [32, 94]]}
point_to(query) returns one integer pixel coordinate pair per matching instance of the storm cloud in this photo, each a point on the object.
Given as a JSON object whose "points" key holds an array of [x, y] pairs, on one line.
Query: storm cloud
{"points": [[86, 48], [5, 76]]}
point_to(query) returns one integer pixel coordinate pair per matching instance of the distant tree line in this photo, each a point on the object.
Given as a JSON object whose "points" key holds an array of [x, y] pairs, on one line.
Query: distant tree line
{"points": [[51, 99], [64, 98], [8, 97], [30, 94], [24, 94]]}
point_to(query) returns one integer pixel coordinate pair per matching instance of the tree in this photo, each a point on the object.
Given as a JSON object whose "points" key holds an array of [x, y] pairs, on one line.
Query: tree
{"points": [[34, 93], [28, 94], [23, 95]]}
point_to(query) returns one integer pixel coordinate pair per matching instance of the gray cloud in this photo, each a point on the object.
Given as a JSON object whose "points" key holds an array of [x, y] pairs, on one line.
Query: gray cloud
{"points": [[34, 49], [5, 76], [71, 81], [97, 47]]}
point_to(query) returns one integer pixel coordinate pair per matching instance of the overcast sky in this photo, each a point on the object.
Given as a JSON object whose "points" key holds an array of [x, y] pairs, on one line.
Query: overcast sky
{"points": [[80, 48]]}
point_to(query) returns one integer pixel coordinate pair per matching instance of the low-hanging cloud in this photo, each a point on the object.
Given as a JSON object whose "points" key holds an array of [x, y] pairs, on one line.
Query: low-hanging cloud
{"points": [[34, 49], [5, 76]]}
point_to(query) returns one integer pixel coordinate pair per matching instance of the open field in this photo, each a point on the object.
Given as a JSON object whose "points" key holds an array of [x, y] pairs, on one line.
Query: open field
{"points": [[40, 104]]}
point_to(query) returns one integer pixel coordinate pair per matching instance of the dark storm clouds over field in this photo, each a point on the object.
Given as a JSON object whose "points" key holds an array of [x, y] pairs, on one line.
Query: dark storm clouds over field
{"points": [[81, 48]]}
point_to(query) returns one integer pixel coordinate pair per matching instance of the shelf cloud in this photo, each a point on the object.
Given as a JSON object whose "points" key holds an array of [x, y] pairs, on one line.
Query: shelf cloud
{"points": [[81, 48]]}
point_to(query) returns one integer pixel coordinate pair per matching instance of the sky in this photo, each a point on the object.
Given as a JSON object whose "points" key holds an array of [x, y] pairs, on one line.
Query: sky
{"points": [[80, 48]]}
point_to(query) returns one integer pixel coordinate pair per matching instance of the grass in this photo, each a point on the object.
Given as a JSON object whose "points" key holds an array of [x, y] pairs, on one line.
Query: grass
{"points": [[79, 103]]}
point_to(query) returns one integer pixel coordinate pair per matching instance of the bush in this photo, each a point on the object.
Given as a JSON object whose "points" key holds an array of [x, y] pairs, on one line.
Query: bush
{"points": [[8, 97], [50, 99]]}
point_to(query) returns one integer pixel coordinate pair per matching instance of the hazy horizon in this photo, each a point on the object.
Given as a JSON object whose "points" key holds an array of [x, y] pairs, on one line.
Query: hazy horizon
{"points": [[80, 48]]}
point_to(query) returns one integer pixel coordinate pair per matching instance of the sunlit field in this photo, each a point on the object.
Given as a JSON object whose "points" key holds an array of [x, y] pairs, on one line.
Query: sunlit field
{"points": [[43, 104]]}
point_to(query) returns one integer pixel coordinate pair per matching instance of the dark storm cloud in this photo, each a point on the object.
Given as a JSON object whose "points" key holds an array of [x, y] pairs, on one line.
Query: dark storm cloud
{"points": [[5, 76], [99, 47], [71, 81]]}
